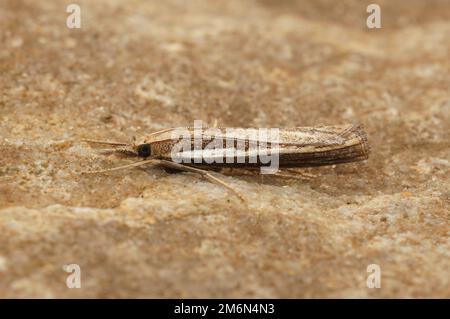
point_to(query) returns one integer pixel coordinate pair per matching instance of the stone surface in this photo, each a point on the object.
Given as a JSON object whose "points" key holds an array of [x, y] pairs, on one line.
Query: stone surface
{"points": [[138, 66]]}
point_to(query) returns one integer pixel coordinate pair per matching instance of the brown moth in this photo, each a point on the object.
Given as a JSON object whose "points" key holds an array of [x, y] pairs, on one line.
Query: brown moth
{"points": [[199, 149]]}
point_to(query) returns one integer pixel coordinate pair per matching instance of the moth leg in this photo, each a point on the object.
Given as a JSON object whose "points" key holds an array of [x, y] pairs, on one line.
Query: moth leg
{"points": [[303, 175], [256, 172], [291, 176], [251, 171], [235, 172], [240, 171], [203, 173], [285, 173], [171, 170]]}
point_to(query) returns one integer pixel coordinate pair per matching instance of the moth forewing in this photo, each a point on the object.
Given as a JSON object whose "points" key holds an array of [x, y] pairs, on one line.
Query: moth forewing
{"points": [[295, 147]]}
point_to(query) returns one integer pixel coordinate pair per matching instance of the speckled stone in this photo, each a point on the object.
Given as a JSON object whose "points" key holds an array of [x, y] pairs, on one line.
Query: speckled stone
{"points": [[139, 66]]}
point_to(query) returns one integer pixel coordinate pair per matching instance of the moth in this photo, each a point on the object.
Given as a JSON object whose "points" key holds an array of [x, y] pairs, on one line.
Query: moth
{"points": [[190, 148]]}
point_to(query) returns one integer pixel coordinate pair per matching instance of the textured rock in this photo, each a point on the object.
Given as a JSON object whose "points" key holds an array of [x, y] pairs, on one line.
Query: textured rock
{"points": [[136, 67]]}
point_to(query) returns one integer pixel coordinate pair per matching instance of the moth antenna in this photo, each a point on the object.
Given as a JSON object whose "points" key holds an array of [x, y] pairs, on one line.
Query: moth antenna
{"points": [[104, 142], [119, 167]]}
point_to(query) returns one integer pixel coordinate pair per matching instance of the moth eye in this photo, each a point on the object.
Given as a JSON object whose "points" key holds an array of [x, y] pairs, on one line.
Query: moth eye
{"points": [[144, 150]]}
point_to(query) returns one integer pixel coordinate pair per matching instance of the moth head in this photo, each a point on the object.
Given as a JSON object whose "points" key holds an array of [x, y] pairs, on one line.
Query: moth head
{"points": [[144, 150]]}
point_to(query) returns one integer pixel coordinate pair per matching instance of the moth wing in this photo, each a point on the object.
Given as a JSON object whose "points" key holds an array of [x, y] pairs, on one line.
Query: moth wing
{"points": [[321, 136]]}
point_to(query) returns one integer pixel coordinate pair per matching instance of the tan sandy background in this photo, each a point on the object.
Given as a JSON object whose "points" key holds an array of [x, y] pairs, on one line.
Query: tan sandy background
{"points": [[139, 66]]}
